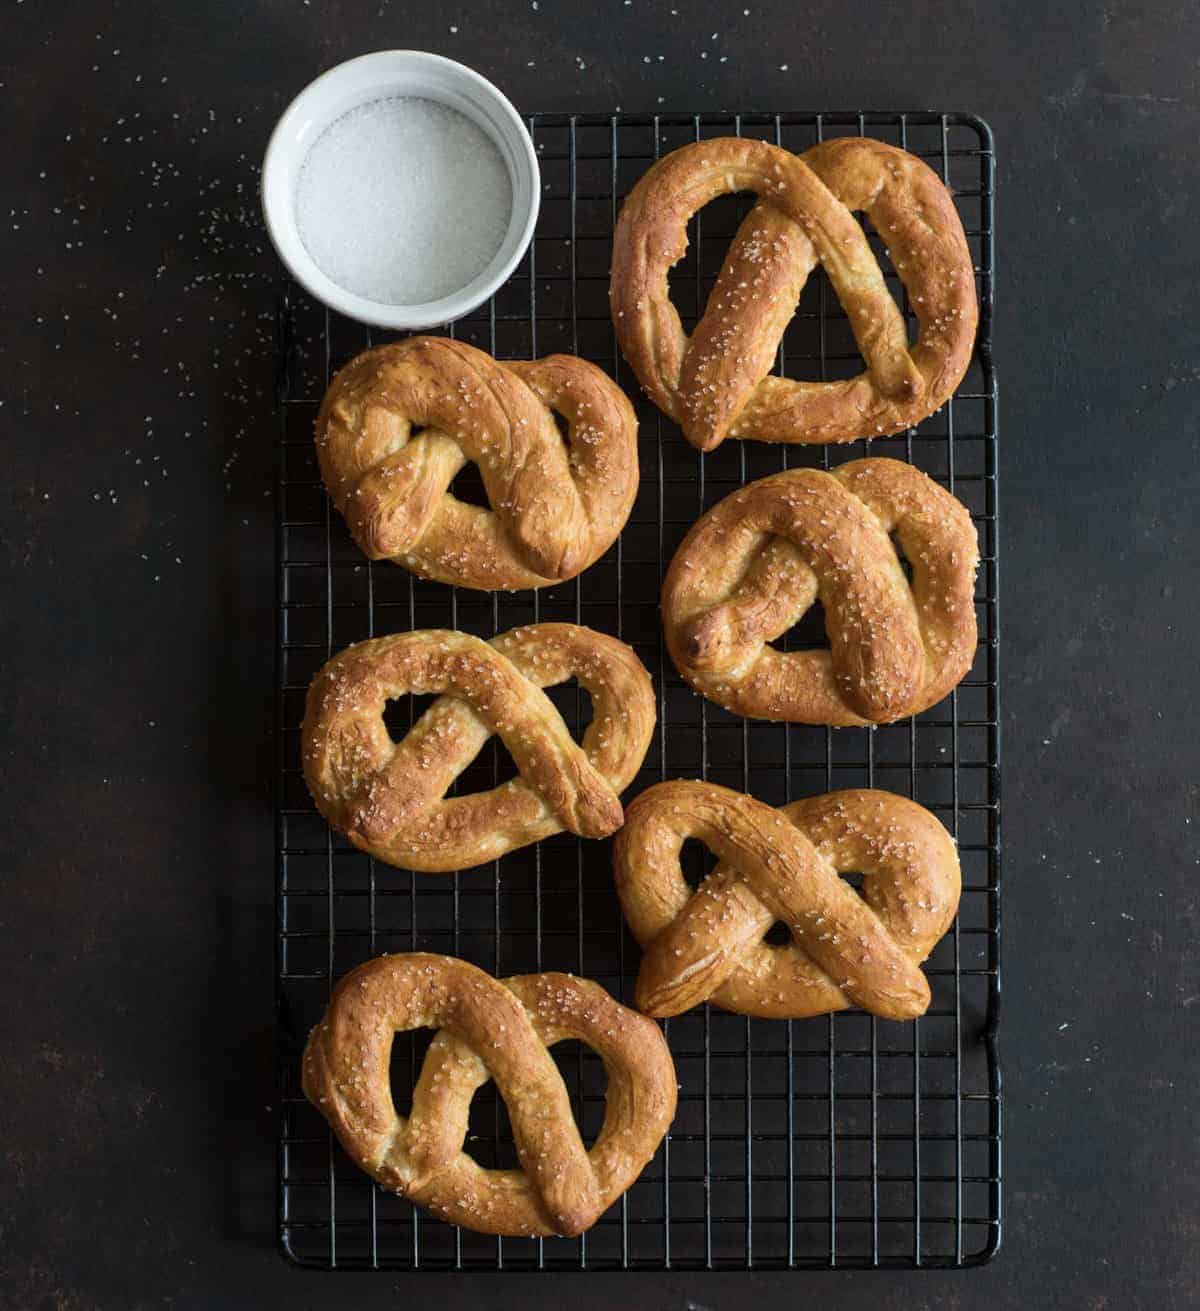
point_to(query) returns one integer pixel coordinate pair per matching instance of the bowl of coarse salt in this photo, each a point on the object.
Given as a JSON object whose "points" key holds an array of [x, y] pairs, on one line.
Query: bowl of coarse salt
{"points": [[401, 189]]}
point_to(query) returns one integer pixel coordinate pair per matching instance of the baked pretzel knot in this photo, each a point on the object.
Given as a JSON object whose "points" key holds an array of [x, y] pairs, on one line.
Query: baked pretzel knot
{"points": [[399, 422], [784, 866], [752, 566], [489, 1029], [716, 384], [389, 798]]}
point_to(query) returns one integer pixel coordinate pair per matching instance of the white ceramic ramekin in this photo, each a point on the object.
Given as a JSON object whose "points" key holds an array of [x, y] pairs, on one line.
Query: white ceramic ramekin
{"points": [[376, 76]]}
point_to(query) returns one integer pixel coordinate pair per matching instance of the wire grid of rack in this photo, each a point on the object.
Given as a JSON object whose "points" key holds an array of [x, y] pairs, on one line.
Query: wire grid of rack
{"points": [[838, 1141]]}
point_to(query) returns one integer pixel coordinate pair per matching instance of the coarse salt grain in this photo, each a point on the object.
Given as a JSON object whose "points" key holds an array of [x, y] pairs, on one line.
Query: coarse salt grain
{"points": [[403, 201]]}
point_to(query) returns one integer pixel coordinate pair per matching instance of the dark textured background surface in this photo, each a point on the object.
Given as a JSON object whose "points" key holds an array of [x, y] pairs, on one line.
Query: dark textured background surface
{"points": [[138, 624]]}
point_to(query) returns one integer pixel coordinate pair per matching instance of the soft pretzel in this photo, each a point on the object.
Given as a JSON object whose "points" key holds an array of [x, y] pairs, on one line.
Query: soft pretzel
{"points": [[784, 865], [389, 798], [716, 384], [399, 422], [752, 566], [489, 1029]]}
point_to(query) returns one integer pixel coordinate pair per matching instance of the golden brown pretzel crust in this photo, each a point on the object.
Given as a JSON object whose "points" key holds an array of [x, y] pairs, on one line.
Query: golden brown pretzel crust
{"points": [[555, 508], [716, 384], [389, 798], [489, 1029], [846, 949], [755, 562]]}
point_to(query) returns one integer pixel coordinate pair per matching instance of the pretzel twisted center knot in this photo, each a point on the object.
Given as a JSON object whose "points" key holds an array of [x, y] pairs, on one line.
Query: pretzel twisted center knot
{"points": [[716, 384], [489, 1029], [399, 422], [846, 949], [390, 798], [755, 563]]}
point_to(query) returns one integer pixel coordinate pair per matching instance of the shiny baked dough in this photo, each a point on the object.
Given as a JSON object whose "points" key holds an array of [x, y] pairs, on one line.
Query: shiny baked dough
{"points": [[784, 865], [399, 422], [489, 1029], [390, 798], [718, 382], [755, 562]]}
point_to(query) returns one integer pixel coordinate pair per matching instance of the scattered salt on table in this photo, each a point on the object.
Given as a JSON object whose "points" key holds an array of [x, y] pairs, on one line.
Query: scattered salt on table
{"points": [[403, 201]]}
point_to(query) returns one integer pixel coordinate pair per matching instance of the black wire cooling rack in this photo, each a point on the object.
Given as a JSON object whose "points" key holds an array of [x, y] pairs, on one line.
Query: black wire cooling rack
{"points": [[839, 1141]]}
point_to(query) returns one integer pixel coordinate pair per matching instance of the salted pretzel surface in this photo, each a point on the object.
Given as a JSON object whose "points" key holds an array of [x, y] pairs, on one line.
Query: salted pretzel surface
{"points": [[389, 798], [718, 382], [400, 421], [755, 563], [845, 949], [496, 1029]]}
